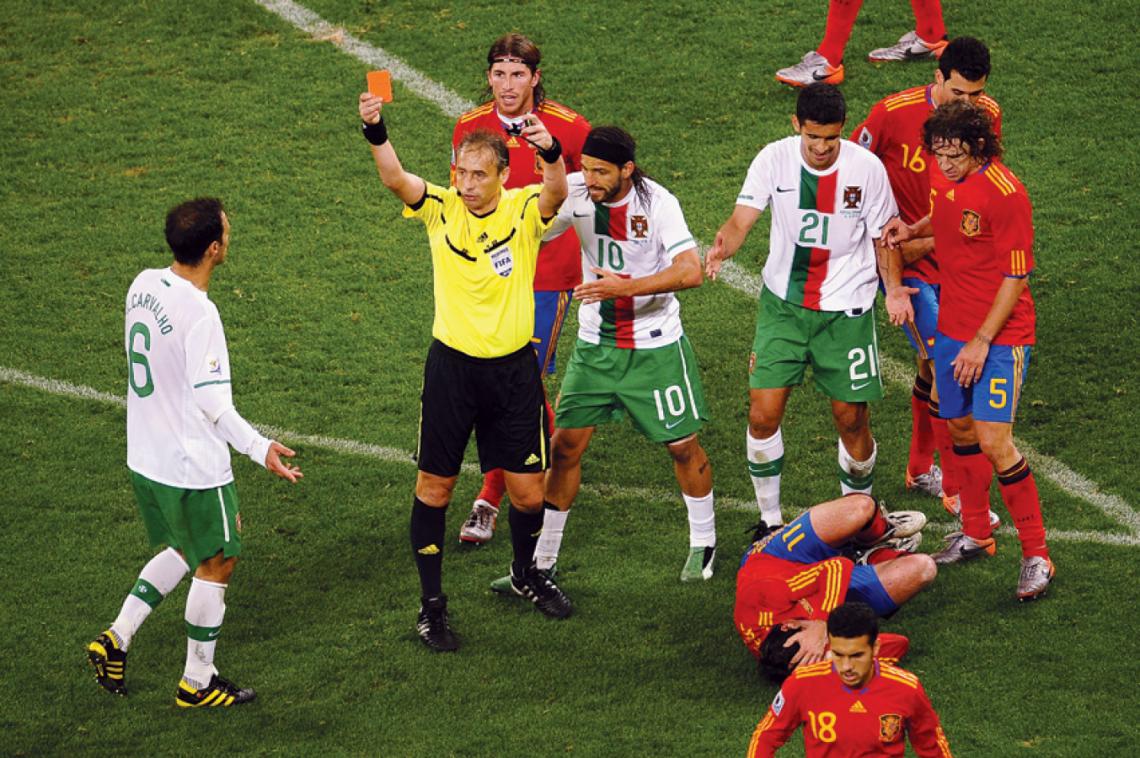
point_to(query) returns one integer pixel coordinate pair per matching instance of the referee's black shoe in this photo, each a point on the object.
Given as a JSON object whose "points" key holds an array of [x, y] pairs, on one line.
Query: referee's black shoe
{"points": [[538, 586], [432, 626]]}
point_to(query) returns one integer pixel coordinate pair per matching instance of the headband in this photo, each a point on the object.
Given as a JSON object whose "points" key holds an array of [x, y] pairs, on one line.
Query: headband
{"points": [[603, 149], [508, 58]]}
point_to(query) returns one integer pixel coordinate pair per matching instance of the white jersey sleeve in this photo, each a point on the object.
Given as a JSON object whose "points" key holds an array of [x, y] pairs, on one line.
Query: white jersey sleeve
{"points": [[673, 230], [757, 189], [880, 205]]}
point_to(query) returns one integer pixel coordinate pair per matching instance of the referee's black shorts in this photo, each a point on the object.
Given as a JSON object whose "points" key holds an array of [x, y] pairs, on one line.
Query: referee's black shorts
{"points": [[502, 399]]}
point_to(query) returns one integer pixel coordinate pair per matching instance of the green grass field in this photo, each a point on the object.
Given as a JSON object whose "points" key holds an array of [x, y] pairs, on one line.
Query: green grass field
{"points": [[113, 112]]}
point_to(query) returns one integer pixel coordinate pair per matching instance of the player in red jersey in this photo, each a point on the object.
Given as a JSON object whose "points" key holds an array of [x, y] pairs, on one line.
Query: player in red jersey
{"points": [[791, 578], [856, 704], [825, 63], [982, 224], [514, 82], [893, 131]]}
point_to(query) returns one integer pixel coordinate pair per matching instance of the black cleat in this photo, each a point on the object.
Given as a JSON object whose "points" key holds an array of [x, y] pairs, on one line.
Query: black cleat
{"points": [[432, 626], [538, 586], [220, 693], [109, 662]]}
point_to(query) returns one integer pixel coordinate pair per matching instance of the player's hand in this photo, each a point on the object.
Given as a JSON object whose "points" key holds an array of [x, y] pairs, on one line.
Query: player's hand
{"points": [[715, 256], [607, 287], [896, 232], [969, 362], [899, 308], [536, 134], [812, 639], [274, 463], [370, 106]]}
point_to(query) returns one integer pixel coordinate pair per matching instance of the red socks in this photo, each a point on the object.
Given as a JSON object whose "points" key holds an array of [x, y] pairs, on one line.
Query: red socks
{"points": [[975, 474], [928, 20], [921, 433], [840, 20], [1019, 491]]}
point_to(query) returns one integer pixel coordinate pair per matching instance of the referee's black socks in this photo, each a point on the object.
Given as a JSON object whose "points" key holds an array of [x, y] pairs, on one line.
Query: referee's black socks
{"points": [[525, 529], [428, 525]]}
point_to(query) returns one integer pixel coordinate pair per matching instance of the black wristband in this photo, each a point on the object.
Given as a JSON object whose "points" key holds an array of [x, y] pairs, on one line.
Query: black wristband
{"points": [[377, 133], [552, 153]]}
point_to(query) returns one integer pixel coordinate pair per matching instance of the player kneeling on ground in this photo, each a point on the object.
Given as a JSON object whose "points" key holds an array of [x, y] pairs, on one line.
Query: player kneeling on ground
{"points": [[791, 578], [857, 703], [180, 417]]}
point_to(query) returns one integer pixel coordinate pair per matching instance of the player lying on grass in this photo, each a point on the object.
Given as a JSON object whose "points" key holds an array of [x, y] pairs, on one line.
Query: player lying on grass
{"points": [[792, 577]]}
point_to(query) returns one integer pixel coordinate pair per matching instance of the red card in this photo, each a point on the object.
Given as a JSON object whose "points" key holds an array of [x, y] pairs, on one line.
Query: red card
{"points": [[380, 84]]}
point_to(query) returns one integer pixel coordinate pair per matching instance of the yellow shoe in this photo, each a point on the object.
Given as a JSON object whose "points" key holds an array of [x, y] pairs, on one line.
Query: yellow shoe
{"points": [[220, 693]]}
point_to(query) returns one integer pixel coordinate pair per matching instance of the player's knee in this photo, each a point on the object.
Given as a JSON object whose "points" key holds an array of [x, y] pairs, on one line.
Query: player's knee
{"points": [[850, 420], [687, 451], [862, 507], [923, 568], [761, 424]]}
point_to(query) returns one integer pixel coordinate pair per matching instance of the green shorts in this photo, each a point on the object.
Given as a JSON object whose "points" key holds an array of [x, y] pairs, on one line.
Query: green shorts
{"points": [[842, 350], [199, 523], [659, 387]]}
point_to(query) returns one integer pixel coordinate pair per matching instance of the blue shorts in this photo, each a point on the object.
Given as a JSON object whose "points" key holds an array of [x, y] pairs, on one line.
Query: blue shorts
{"points": [[994, 397], [550, 307], [925, 303], [797, 542]]}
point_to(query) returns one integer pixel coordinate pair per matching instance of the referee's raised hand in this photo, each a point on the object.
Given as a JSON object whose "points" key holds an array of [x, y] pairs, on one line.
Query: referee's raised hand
{"points": [[370, 106]]}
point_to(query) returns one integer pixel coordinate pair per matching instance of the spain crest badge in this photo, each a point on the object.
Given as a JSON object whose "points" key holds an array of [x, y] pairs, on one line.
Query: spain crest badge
{"points": [[971, 223], [890, 727]]}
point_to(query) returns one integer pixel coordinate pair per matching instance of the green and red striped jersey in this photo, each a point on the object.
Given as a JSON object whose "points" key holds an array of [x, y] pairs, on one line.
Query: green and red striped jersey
{"points": [[632, 239], [821, 252]]}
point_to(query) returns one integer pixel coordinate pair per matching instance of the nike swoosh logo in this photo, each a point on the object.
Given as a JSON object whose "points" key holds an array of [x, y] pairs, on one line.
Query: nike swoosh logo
{"points": [[859, 386], [816, 75], [784, 189], [582, 215], [670, 426]]}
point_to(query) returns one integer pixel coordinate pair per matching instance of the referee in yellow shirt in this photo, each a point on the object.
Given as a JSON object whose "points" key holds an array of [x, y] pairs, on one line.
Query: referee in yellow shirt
{"points": [[480, 372]]}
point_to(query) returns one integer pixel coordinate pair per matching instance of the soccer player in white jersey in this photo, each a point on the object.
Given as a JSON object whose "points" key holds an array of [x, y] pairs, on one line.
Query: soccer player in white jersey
{"points": [[830, 200], [631, 355], [180, 417]]}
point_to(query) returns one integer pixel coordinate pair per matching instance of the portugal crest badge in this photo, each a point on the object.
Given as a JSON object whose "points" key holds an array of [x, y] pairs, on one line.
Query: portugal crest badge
{"points": [[971, 223], [852, 197], [890, 727], [639, 225]]}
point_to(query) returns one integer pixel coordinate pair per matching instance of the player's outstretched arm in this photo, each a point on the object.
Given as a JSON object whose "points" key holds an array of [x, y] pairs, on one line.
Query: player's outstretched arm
{"points": [[729, 238], [408, 187], [897, 299], [684, 273]]}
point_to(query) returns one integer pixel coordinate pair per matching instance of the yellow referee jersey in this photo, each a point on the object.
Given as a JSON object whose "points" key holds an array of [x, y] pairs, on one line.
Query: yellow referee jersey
{"points": [[483, 269]]}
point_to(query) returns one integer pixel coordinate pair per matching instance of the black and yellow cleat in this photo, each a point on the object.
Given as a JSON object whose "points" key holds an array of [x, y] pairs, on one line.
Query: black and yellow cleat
{"points": [[109, 662], [220, 693]]}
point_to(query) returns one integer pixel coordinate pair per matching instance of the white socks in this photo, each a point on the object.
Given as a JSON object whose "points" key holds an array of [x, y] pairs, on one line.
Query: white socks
{"points": [[158, 578], [856, 476], [205, 609], [702, 520], [550, 541], [765, 462]]}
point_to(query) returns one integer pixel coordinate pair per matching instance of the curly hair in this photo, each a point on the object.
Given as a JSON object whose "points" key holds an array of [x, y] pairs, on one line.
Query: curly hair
{"points": [[968, 124]]}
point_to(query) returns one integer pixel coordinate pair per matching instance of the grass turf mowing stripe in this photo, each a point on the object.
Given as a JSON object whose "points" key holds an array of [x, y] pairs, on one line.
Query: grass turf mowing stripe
{"points": [[393, 455]]}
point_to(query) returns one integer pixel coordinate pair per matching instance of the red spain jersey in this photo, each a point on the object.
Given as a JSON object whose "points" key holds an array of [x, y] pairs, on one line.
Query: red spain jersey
{"points": [[983, 229], [771, 590], [559, 261], [893, 131], [840, 722]]}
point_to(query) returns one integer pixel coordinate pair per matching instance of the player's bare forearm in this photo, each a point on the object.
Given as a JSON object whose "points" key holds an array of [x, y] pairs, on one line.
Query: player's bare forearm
{"points": [[1003, 305], [729, 238], [916, 249], [684, 273]]}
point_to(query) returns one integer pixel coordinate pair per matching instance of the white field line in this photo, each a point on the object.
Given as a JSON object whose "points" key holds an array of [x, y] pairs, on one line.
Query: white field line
{"points": [[394, 455], [896, 372]]}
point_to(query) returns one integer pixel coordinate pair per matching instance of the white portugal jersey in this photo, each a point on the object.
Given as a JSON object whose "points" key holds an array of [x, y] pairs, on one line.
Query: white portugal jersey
{"points": [[631, 240], [178, 383], [821, 253]]}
